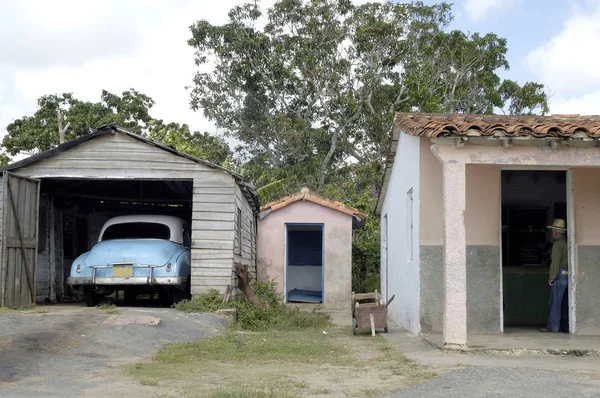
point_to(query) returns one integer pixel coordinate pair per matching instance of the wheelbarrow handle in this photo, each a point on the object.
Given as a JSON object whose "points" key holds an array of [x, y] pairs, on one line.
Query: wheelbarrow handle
{"points": [[390, 300]]}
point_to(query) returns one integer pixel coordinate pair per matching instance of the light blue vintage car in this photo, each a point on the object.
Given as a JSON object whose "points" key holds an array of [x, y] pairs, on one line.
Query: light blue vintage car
{"points": [[138, 254]]}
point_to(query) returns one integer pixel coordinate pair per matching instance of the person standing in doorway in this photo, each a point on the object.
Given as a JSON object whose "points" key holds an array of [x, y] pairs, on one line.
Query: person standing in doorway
{"points": [[558, 276]]}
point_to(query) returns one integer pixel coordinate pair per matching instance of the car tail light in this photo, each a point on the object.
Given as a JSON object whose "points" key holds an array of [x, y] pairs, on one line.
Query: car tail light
{"points": [[169, 267], [78, 269]]}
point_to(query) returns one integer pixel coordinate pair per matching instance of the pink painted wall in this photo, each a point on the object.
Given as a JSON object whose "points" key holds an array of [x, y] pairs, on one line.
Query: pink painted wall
{"points": [[431, 211], [338, 248], [482, 216], [586, 198], [483, 202]]}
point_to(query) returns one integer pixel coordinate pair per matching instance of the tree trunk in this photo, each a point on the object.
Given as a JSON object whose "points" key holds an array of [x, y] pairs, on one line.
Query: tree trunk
{"points": [[244, 278], [327, 159]]}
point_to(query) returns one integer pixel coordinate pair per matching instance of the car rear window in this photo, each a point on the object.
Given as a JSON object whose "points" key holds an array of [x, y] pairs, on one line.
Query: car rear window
{"points": [[137, 230]]}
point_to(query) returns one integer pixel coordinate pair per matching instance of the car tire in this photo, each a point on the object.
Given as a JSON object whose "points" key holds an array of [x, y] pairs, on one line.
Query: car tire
{"points": [[180, 295], [91, 298]]}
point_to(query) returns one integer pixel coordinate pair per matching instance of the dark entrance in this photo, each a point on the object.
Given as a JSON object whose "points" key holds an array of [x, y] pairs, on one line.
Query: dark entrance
{"points": [[304, 268], [531, 200]]}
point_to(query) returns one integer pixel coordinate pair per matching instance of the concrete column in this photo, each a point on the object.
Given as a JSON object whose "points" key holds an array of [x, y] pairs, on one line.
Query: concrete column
{"points": [[455, 256]]}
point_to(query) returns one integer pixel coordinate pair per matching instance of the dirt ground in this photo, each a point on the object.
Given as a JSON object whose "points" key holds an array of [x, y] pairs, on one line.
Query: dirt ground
{"points": [[75, 351]]}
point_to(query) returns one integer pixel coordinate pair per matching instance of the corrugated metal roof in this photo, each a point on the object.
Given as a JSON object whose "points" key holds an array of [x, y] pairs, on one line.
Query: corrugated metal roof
{"points": [[248, 189]]}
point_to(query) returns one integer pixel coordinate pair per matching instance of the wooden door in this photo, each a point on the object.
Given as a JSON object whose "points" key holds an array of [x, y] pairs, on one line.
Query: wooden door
{"points": [[21, 198]]}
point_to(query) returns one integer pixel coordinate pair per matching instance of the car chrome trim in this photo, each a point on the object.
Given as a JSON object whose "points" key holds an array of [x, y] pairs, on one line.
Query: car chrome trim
{"points": [[136, 280]]}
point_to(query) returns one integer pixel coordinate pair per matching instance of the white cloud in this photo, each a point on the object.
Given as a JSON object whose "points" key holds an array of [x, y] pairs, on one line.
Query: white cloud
{"points": [[480, 9], [568, 62], [587, 104], [83, 47]]}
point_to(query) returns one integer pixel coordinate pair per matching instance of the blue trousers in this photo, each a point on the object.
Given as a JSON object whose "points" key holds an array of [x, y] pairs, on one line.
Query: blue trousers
{"points": [[558, 302]]}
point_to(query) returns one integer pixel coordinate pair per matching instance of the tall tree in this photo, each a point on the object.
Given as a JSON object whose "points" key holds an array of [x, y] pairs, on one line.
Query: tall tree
{"points": [[201, 145], [31, 134], [322, 78]]}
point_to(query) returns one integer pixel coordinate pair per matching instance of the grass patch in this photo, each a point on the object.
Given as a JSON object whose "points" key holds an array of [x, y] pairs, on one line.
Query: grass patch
{"points": [[236, 393], [281, 364], [250, 317], [29, 309], [110, 308], [577, 353]]}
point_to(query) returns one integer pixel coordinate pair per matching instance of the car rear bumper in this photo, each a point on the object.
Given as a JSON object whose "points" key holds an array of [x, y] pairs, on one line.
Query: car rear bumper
{"points": [[136, 280]]}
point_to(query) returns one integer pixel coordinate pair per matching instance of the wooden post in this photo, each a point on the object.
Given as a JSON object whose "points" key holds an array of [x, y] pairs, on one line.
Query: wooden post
{"points": [[372, 325]]}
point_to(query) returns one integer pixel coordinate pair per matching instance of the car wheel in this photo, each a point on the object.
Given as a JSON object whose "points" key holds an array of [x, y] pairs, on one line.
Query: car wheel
{"points": [[180, 295], [91, 298], [129, 296]]}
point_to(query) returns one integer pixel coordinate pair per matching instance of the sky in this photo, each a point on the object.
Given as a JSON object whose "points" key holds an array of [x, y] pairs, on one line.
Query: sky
{"points": [[83, 47]]}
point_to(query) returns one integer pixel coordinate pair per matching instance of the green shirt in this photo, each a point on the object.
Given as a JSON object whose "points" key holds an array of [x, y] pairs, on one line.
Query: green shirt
{"points": [[560, 257]]}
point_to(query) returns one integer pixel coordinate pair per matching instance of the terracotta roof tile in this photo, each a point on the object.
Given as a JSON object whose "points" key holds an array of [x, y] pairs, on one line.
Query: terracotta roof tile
{"points": [[556, 126], [307, 195]]}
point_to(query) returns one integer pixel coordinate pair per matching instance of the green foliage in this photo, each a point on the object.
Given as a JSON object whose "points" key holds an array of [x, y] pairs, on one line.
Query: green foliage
{"points": [[366, 258], [272, 190], [4, 159], [251, 317], [321, 80], [201, 145], [40, 132]]}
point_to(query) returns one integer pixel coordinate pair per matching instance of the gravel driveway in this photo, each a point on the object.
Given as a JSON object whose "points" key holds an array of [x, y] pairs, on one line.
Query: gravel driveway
{"points": [[75, 351], [504, 382]]}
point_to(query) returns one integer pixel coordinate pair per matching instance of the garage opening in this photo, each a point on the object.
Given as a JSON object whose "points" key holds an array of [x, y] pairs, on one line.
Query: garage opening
{"points": [[531, 200], [304, 268], [73, 212]]}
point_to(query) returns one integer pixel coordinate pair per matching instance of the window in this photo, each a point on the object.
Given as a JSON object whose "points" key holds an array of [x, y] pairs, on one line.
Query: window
{"points": [[137, 230], [409, 225]]}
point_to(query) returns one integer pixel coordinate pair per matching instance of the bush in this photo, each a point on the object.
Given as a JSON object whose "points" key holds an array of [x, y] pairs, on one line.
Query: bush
{"points": [[251, 317]]}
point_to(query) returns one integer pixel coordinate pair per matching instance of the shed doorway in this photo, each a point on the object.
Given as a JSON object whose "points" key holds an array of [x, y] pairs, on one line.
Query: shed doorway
{"points": [[72, 213], [531, 200], [304, 263]]}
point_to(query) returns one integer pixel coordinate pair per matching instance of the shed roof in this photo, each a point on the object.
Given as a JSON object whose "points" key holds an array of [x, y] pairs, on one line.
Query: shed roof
{"points": [[248, 189], [455, 125], [306, 194]]}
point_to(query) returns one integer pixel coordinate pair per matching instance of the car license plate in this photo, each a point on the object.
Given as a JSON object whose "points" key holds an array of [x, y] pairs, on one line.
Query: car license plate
{"points": [[122, 271]]}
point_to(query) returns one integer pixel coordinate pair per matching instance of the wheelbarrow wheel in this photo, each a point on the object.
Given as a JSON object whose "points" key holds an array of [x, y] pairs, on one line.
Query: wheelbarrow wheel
{"points": [[354, 326]]}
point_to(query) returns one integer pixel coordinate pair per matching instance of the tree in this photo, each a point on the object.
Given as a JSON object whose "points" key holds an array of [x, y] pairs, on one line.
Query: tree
{"points": [[322, 78], [201, 145], [31, 134]]}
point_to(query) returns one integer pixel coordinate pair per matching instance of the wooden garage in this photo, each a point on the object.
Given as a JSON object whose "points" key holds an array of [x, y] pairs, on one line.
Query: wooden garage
{"points": [[55, 202]]}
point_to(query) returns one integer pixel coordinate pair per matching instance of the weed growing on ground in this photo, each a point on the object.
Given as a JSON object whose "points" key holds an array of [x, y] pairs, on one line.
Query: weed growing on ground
{"points": [[250, 317], [225, 393], [110, 308]]}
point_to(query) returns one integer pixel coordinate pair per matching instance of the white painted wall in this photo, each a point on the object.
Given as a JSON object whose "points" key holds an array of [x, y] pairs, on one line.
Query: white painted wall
{"points": [[305, 277], [402, 250]]}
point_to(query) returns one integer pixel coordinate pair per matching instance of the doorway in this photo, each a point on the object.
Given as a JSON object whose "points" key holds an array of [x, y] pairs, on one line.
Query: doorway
{"points": [[304, 263], [531, 200]]}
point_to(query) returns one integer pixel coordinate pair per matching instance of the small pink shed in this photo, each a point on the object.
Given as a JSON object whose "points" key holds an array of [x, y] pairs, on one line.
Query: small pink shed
{"points": [[305, 246]]}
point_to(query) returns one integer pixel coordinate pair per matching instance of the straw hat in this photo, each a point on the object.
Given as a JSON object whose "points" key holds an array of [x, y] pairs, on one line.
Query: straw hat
{"points": [[559, 225]]}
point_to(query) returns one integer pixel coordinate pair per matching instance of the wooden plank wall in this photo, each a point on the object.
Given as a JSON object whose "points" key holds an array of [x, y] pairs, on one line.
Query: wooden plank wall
{"points": [[18, 270], [118, 157], [245, 235], [213, 215]]}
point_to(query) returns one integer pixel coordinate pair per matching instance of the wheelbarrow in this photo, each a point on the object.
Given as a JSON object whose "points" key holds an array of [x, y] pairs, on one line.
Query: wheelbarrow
{"points": [[371, 314]]}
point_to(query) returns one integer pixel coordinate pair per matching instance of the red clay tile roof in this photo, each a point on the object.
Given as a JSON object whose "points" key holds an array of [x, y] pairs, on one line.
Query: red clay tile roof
{"points": [[306, 194], [456, 125]]}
